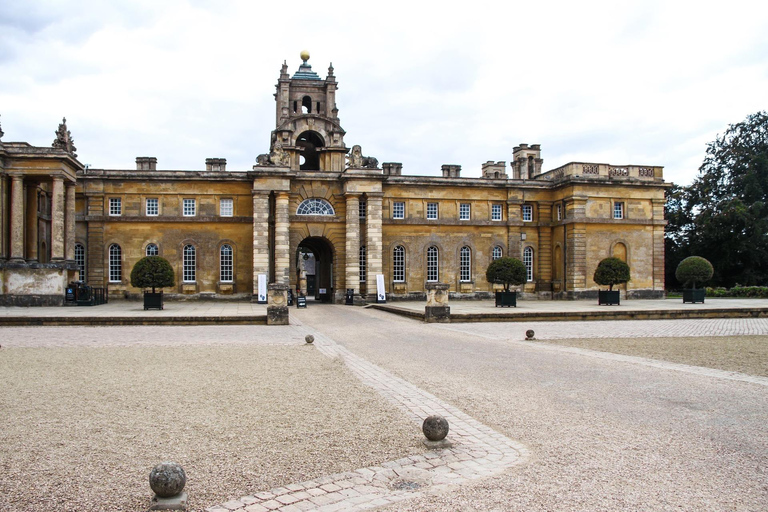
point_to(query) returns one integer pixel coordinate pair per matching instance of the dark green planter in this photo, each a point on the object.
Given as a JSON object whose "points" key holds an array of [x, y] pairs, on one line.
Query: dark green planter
{"points": [[694, 296], [608, 298], [153, 300], [506, 299]]}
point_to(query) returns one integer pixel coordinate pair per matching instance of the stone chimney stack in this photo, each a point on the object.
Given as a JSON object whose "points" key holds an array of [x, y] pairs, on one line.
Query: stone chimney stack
{"points": [[526, 161], [215, 164], [392, 168], [451, 171], [495, 170], [146, 163]]}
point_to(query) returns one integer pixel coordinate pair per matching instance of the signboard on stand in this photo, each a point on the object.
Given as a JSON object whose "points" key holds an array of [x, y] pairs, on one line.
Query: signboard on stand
{"points": [[381, 294], [262, 297]]}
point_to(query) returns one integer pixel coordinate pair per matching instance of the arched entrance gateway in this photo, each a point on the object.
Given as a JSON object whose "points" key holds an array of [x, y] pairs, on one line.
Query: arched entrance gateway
{"points": [[314, 268]]}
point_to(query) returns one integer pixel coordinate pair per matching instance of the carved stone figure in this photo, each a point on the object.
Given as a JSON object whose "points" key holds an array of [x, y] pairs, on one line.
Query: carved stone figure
{"points": [[279, 156], [355, 158], [64, 139], [370, 162]]}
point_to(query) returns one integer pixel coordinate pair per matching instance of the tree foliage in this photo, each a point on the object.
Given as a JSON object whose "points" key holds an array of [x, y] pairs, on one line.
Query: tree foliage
{"points": [[694, 269], [724, 212], [152, 272], [506, 271], [611, 271]]}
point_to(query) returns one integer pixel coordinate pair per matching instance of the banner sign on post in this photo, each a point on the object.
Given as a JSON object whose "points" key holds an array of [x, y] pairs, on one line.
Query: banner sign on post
{"points": [[381, 294], [262, 289]]}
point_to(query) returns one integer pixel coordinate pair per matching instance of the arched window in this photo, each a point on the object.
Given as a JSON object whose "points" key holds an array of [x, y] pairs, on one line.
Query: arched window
{"points": [[433, 265], [115, 264], [225, 264], [362, 263], [315, 206], [398, 264], [497, 253], [465, 264], [189, 264], [528, 262], [80, 261], [152, 250]]}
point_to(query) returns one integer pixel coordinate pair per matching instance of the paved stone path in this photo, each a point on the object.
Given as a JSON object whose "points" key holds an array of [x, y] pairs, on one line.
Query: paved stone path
{"points": [[478, 451]]}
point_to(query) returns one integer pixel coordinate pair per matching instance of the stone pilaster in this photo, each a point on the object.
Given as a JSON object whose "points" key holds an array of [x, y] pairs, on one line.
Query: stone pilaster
{"points": [[352, 275], [282, 239], [69, 223], [31, 215], [544, 275], [57, 219], [260, 237], [514, 228], [373, 242], [17, 218]]}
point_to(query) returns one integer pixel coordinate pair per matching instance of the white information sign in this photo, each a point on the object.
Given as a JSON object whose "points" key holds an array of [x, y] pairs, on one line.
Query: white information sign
{"points": [[381, 294], [262, 289]]}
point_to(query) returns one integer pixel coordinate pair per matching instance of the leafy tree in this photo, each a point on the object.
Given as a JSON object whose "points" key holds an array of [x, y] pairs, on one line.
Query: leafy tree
{"points": [[152, 272], [611, 271], [724, 212], [694, 269], [506, 271]]}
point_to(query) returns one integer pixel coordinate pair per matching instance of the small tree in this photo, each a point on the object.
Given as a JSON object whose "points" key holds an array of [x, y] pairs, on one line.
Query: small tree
{"points": [[152, 272], [506, 271], [611, 271], [694, 269]]}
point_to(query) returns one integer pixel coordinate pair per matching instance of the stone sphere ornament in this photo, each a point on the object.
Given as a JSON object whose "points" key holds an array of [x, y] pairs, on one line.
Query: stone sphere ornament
{"points": [[309, 338], [529, 334], [167, 479], [435, 428]]}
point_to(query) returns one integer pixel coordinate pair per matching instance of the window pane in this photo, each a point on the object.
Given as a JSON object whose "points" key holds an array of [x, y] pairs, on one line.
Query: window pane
{"points": [[189, 207], [189, 267], [466, 264], [225, 264], [398, 264], [80, 261], [153, 207], [527, 213], [115, 206], [495, 212], [497, 253], [115, 264], [398, 210], [226, 208], [315, 206], [362, 207], [152, 250], [618, 210], [464, 211], [432, 211], [432, 264], [528, 262], [362, 264]]}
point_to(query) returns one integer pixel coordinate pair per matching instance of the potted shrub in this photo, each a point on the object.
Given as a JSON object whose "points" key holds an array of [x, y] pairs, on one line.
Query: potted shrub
{"points": [[609, 272], [152, 272], [692, 270], [506, 271]]}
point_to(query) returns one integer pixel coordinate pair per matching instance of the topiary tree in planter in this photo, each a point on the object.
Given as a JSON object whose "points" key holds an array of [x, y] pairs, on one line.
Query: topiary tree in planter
{"points": [[692, 270], [507, 272], [610, 272], [152, 272]]}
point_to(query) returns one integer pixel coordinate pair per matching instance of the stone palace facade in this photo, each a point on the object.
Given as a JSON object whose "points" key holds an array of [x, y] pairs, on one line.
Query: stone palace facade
{"points": [[315, 214]]}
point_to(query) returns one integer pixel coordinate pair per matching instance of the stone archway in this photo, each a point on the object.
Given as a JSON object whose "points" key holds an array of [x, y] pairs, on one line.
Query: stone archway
{"points": [[315, 255]]}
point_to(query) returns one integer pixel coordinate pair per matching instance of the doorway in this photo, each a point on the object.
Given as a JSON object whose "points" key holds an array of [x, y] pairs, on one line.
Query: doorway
{"points": [[314, 266]]}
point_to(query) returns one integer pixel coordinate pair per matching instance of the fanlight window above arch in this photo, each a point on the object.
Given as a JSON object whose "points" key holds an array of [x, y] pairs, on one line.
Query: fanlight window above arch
{"points": [[315, 206]]}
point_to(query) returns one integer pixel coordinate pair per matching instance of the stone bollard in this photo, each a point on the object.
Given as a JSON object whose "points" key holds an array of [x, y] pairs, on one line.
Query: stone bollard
{"points": [[437, 309], [435, 430], [277, 304], [167, 480]]}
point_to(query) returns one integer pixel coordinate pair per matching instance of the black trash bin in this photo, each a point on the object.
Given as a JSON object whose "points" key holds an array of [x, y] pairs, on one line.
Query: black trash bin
{"points": [[349, 297]]}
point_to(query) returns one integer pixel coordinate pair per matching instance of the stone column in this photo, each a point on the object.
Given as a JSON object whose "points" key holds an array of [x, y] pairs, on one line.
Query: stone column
{"points": [[282, 240], [373, 243], [260, 238], [31, 215], [17, 218], [57, 219], [352, 275], [69, 223]]}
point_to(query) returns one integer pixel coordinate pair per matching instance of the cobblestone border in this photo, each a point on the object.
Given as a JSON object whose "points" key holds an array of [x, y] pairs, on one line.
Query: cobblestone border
{"points": [[478, 451]]}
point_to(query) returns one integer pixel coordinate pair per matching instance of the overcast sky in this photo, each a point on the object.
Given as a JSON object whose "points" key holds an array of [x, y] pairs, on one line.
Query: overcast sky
{"points": [[425, 84]]}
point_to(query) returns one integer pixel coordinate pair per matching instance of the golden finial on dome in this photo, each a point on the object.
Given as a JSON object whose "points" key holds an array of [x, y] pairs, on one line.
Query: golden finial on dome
{"points": [[304, 55]]}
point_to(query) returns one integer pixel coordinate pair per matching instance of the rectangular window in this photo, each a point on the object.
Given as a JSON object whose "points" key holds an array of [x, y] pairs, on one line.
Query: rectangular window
{"points": [[431, 211], [398, 210], [115, 206], [226, 208], [618, 210], [559, 209], [363, 255], [189, 207], [464, 211], [495, 212], [153, 207], [527, 213], [398, 264], [80, 261], [362, 208]]}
